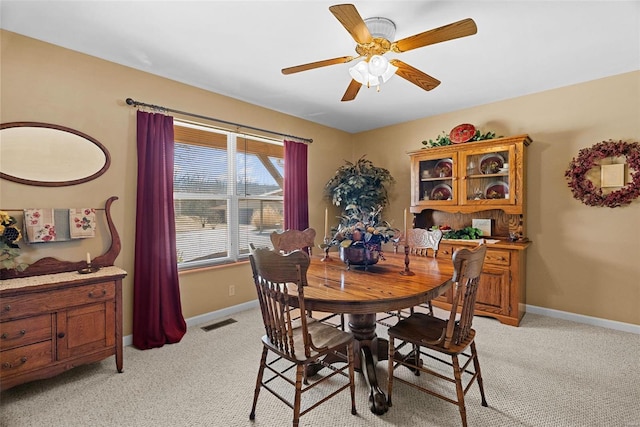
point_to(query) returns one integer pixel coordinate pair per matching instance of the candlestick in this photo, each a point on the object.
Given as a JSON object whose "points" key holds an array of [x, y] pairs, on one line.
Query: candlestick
{"points": [[326, 257], [406, 271], [88, 258], [326, 223], [405, 223]]}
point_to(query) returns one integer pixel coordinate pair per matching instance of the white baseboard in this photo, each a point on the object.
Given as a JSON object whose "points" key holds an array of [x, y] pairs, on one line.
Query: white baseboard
{"points": [[207, 317], [565, 315], [580, 318], [225, 312]]}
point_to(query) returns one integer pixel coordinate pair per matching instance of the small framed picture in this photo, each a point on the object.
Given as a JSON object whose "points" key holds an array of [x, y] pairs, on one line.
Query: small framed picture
{"points": [[483, 225], [612, 175]]}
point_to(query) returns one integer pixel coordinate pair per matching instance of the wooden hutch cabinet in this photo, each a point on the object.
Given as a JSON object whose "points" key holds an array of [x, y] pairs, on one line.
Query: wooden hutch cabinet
{"points": [[455, 184]]}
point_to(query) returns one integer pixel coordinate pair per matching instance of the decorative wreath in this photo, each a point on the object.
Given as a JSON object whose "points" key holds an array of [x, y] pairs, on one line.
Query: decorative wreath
{"points": [[584, 190]]}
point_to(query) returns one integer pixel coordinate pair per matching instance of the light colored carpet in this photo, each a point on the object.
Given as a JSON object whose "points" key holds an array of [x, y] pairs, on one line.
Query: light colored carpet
{"points": [[547, 372]]}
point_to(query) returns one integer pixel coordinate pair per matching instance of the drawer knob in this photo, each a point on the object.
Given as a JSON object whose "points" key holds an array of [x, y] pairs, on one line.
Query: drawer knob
{"points": [[7, 365], [5, 335], [7, 308], [61, 335]]}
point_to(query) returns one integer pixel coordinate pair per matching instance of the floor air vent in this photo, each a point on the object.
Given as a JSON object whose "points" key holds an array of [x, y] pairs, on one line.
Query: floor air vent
{"points": [[218, 324]]}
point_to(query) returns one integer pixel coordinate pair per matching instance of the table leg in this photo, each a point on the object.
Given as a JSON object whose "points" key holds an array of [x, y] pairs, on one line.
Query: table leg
{"points": [[371, 349]]}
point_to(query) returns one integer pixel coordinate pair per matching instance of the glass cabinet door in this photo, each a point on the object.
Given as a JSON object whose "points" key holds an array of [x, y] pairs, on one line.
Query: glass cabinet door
{"points": [[436, 178], [489, 176]]}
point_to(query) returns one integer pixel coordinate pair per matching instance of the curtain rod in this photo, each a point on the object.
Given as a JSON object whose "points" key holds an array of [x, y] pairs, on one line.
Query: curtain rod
{"points": [[157, 107], [20, 210]]}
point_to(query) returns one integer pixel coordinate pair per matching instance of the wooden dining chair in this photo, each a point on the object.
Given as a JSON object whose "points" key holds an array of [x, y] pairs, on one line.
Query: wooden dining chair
{"points": [[431, 336], [290, 343], [419, 241], [291, 240]]}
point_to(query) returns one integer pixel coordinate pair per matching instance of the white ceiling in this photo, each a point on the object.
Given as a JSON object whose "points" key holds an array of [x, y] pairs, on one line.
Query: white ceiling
{"points": [[237, 48]]}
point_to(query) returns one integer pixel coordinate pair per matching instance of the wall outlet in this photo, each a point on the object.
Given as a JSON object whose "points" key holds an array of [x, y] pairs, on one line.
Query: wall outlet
{"points": [[232, 290]]}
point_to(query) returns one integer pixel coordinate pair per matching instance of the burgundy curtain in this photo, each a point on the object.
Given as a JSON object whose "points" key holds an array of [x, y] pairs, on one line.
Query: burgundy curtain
{"points": [[157, 313], [296, 197]]}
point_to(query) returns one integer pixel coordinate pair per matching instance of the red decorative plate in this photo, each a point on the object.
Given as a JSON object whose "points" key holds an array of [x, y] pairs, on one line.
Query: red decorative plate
{"points": [[443, 169], [496, 190], [491, 163], [441, 192], [462, 133]]}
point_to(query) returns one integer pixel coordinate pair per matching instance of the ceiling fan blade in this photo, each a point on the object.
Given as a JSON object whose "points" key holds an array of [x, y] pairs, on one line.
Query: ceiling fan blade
{"points": [[318, 64], [351, 20], [414, 75], [455, 30], [351, 91]]}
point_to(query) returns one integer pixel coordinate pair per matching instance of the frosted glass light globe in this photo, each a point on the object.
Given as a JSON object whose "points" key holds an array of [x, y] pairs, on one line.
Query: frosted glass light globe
{"points": [[360, 72], [378, 64]]}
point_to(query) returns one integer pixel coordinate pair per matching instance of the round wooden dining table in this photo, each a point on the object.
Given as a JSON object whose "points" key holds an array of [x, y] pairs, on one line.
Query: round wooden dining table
{"points": [[360, 293]]}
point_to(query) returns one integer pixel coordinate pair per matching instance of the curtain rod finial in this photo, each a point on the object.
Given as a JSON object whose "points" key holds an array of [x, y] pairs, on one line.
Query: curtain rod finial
{"points": [[130, 101]]}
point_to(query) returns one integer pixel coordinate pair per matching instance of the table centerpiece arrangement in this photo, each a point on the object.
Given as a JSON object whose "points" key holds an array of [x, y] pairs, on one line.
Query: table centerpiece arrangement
{"points": [[361, 189], [360, 235]]}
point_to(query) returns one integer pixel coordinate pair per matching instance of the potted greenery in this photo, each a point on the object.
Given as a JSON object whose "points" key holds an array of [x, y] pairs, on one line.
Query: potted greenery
{"points": [[361, 188]]}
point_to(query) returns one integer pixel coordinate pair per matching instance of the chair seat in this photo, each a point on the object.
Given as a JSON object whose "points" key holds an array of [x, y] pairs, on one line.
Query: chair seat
{"points": [[322, 335], [420, 328]]}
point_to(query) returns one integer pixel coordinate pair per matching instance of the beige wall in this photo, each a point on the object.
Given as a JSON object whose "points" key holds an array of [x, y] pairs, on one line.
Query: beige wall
{"points": [[582, 260], [45, 83]]}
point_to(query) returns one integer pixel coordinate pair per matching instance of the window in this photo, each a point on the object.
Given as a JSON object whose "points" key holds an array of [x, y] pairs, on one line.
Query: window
{"points": [[228, 192]]}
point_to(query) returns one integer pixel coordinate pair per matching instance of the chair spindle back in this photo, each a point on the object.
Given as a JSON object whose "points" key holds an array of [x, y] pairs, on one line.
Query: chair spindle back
{"points": [[420, 241], [467, 266], [291, 240], [272, 272]]}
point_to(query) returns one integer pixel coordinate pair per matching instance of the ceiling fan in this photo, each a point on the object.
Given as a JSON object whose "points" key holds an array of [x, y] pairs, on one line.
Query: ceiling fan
{"points": [[373, 41]]}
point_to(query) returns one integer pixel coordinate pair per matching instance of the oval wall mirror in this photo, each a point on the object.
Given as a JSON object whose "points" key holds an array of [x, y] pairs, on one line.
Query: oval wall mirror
{"points": [[49, 155]]}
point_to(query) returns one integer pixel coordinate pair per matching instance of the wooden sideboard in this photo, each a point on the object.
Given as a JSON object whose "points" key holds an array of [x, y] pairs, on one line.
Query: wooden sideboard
{"points": [[54, 322], [501, 293]]}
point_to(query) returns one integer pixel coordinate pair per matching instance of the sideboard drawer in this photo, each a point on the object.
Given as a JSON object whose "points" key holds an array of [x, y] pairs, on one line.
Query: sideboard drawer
{"points": [[25, 358], [497, 257], [19, 306], [21, 332], [445, 251]]}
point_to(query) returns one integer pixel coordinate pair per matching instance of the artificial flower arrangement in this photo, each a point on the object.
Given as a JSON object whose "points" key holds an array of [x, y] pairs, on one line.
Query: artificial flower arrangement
{"points": [[9, 236], [362, 227], [361, 190]]}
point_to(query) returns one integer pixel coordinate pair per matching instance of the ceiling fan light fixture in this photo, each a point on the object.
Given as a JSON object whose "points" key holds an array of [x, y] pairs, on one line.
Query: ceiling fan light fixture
{"points": [[374, 72]]}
